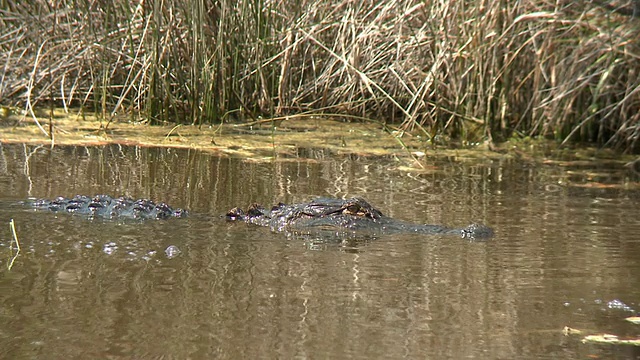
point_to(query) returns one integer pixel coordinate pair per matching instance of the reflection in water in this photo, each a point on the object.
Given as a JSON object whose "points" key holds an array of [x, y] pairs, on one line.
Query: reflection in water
{"points": [[202, 287]]}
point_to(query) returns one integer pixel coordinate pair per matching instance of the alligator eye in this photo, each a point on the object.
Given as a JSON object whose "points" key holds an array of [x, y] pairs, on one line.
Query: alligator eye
{"points": [[353, 209]]}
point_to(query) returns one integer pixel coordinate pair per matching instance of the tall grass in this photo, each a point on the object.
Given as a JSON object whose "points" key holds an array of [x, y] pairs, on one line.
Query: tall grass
{"points": [[468, 69]]}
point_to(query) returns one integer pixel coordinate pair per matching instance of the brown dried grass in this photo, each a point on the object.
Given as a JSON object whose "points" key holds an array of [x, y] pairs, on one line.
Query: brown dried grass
{"points": [[466, 69]]}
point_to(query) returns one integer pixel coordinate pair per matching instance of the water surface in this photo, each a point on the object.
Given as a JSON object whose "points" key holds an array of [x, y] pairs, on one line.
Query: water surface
{"points": [[96, 289]]}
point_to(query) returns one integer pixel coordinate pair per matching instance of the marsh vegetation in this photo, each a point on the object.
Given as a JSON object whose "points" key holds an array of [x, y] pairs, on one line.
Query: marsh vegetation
{"points": [[466, 69]]}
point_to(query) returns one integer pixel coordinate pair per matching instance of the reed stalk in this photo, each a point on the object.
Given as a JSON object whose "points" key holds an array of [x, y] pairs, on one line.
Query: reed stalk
{"points": [[14, 239]]}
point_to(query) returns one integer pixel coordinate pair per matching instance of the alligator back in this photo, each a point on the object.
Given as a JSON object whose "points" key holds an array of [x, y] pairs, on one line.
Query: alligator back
{"points": [[104, 206]]}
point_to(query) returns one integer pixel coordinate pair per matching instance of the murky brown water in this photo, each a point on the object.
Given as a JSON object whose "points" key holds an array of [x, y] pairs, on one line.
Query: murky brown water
{"points": [[106, 289]]}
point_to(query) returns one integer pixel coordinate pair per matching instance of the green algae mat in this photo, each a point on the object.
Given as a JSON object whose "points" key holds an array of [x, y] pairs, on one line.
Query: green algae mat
{"points": [[263, 139], [309, 137]]}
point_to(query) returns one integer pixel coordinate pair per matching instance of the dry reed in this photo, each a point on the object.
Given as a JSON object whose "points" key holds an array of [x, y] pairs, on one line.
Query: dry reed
{"points": [[465, 69]]}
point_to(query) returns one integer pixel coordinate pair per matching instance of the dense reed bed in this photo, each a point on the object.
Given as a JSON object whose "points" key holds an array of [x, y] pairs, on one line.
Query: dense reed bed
{"points": [[466, 69]]}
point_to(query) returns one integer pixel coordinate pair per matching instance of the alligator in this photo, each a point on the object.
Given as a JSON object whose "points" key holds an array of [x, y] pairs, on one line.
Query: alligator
{"points": [[354, 214]]}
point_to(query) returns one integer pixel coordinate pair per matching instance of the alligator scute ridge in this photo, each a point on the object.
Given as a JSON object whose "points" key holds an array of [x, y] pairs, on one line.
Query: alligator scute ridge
{"points": [[107, 207], [354, 214]]}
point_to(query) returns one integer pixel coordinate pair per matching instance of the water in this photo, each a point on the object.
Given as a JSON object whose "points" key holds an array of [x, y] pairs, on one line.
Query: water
{"points": [[203, 288]]}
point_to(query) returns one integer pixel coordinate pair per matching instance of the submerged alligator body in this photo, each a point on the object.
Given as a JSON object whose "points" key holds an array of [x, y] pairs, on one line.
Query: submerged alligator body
{"points": [[353, 214], [104, 206]]}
